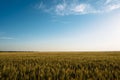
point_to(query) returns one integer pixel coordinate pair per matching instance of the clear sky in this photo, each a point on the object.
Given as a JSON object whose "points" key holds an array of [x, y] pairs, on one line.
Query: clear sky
{"points": [[59, 25]]}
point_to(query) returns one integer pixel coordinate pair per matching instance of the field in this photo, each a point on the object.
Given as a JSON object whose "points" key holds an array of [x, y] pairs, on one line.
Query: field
{"points": [[59, 65]]}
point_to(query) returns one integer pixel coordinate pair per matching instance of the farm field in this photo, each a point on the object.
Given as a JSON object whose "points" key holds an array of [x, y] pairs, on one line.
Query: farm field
{"points": [[59, 65]]}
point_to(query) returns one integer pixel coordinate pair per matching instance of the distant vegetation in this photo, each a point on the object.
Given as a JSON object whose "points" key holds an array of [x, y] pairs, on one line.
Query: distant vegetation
{"points": [[60, 66]]}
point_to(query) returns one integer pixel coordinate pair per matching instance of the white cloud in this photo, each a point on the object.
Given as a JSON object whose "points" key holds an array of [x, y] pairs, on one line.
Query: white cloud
{"points": [[60, 8], [113, 7], [73, 7], [108, 1], [83, 9], [6, 38], [40, 6], [80, 8], [65, 9]]}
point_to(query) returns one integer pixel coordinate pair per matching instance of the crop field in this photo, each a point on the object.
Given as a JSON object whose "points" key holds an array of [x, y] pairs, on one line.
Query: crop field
{"points": [[59, 65]]}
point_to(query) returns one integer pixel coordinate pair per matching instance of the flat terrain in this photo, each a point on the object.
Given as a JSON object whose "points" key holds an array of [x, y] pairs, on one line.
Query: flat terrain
{"points": [[59, 65]]}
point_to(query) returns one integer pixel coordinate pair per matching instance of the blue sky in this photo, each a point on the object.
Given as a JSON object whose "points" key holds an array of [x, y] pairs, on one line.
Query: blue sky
{"points": [[59, 25]]}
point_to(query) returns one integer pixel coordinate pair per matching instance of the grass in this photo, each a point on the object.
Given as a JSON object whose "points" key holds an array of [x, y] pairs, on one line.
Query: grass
{"points": [[59, 65]]}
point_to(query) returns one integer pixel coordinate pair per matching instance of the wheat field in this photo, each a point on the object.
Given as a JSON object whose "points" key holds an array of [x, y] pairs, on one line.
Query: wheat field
{"points": [[59, 65]]}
